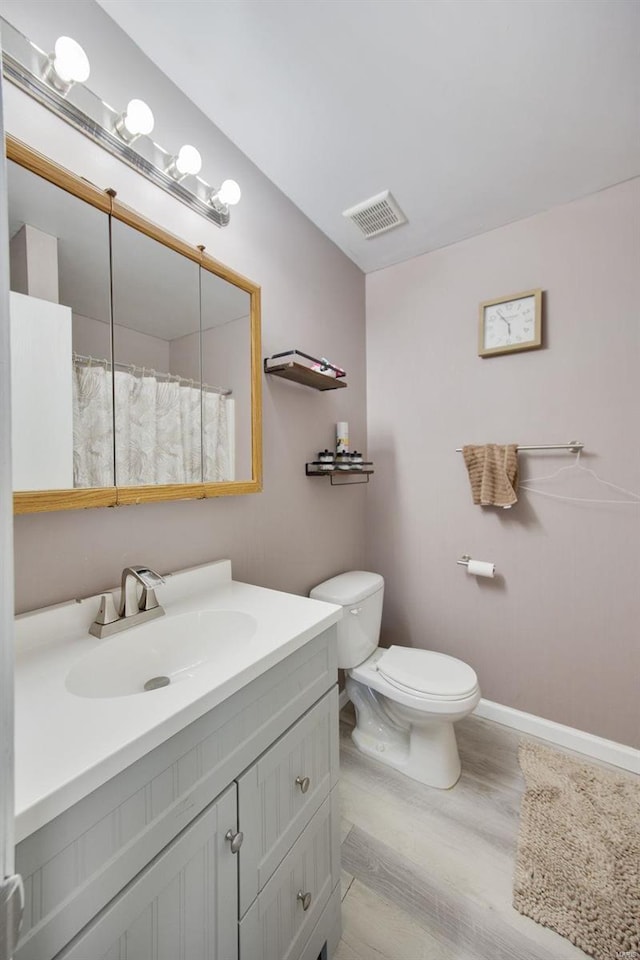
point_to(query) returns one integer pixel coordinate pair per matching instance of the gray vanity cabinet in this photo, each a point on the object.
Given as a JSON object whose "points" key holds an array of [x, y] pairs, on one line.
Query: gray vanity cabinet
{"points": [[142, 868]]}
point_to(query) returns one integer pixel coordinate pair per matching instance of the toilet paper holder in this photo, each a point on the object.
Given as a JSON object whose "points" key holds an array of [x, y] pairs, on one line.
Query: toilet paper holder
{"points": [[479, 568]]}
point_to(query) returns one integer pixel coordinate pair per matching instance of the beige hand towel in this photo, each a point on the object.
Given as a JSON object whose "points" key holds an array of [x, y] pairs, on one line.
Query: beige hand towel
{"points": [[493, 473]]}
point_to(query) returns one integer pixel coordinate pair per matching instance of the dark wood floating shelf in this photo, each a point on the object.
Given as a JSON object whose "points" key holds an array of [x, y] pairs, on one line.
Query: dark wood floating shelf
{"points": [[310, 378], [283, 365]]}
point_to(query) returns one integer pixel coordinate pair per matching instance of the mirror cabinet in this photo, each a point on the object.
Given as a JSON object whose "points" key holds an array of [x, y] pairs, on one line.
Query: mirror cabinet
{"points": [[135, 358]]}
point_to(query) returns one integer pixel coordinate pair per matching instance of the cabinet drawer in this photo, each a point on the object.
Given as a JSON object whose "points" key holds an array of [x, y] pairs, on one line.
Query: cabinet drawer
{"points": [[277, 926], [280, 793], [183, 905]]}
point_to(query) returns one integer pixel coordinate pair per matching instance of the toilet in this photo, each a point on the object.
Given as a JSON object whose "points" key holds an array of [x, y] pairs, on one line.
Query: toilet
{"points": [[406, 700]]}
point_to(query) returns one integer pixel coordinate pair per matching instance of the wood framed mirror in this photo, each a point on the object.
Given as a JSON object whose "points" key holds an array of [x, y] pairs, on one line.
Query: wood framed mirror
{"points": [[136, 367]]}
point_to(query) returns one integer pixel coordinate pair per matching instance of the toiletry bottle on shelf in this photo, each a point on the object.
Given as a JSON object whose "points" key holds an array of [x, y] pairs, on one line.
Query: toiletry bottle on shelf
{"points": [[326, 459], [342, 437], [356, 460]]}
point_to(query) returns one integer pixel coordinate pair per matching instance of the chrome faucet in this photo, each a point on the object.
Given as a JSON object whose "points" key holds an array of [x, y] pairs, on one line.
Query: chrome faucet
{"points": [[132, 609]]}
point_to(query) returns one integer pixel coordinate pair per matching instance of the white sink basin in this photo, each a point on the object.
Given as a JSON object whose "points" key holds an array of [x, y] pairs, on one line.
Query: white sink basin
{"points": [[176, 648]]}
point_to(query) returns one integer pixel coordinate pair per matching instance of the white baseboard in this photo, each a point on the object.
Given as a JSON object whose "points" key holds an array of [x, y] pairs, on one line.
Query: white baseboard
{"points": [[617, 754], [609, 751]]}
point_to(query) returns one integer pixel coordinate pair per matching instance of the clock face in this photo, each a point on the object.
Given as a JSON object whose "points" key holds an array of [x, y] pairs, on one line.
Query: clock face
{"points": [[510, 324]]}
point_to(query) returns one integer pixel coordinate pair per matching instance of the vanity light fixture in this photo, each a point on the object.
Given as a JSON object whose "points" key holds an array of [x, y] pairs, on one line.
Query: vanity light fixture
{"points": [[135, 121], [187, 161], [68, 64], [227, 195], [57, 82]]}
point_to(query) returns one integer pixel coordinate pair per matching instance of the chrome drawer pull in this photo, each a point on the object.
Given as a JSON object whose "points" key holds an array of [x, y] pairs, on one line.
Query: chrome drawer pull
{"points": [[235, 839], [305, 899], [304, 783]]}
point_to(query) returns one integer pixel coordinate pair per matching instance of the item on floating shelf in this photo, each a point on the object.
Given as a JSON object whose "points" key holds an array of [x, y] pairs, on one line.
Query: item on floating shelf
{"points": [[322, 368], [329, 369], [343, 460], [356, 460], [339, 372], [326, 459], [342, 437]]}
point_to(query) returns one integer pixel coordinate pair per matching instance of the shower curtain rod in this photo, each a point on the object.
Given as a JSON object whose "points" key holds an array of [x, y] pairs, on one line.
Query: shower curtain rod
{"points": [[574, 445], [140, 371]]}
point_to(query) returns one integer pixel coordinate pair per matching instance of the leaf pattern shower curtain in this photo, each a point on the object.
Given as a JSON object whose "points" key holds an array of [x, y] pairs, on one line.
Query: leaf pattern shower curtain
{"points": [[158, 430]]}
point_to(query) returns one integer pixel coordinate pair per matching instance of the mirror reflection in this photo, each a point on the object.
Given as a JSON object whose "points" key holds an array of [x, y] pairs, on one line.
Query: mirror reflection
{"points": [[156, 341], [131, 361], [226, 374], [62, 416]]}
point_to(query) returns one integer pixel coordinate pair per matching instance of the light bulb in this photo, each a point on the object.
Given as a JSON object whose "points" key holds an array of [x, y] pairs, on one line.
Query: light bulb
{"points": [[70, 62], [188, 160], [139, 118], [229, 193], [136, 120]]}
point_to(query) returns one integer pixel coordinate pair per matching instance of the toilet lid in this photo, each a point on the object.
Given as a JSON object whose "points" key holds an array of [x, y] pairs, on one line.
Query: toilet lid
{"points": [[428, 673]]}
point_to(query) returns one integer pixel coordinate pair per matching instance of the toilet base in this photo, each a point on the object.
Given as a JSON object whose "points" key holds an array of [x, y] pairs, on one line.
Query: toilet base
{"points": [[425, 751], [427, 755]]}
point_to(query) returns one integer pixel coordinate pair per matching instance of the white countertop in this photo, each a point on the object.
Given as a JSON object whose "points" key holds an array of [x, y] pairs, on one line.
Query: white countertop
{"points": [[67, 745]]}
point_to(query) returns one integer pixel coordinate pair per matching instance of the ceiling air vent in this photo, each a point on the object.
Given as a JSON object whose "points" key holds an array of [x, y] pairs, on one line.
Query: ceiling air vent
{"points": [[376, 215]]}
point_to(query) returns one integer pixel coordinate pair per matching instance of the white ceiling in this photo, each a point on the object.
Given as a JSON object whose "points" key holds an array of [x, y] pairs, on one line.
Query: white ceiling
{"points": [[473, 113]]}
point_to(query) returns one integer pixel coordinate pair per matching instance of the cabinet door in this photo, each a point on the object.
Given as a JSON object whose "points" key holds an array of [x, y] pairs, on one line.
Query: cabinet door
{"points": [[280, 793], [184, 905]]}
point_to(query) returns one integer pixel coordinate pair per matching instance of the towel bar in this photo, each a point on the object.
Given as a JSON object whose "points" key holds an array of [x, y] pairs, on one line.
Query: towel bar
{"points": [[574, 445]]}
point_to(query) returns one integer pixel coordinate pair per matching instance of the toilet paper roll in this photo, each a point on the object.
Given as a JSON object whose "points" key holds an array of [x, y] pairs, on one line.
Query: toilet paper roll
{"points": [[481, 568]]}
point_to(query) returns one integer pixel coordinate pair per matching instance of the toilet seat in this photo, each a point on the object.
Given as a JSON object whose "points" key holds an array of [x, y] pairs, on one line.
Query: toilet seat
{"points": [[425, 674], [368, 674]]}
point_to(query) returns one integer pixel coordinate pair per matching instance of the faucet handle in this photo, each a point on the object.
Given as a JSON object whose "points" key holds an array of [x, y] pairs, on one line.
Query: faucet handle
{"points": [[148, 600], [106, 614]]}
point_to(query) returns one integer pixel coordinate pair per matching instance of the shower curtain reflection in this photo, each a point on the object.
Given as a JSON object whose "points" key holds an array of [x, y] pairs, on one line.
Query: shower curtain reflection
{"points": [[92, 426], [160, 422]]}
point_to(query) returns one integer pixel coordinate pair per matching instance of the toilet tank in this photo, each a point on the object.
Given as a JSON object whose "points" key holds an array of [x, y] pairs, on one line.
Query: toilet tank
{"points": [[360, 594]]}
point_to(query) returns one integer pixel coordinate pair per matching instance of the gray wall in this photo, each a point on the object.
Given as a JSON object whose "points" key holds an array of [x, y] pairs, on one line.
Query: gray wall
{"points": [[557, 633], [299, 530]]}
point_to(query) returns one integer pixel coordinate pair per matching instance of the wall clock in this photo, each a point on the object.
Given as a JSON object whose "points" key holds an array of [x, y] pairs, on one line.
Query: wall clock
{"points": [[510, 324]]}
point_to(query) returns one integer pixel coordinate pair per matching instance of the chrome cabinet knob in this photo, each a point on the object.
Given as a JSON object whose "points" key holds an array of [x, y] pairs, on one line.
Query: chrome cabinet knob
{"points": [[305, 899], [235, 839], [304, 783]]}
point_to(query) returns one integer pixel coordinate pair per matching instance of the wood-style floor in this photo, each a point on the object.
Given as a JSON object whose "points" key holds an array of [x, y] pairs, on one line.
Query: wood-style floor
{"points": [[427, 874]]}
